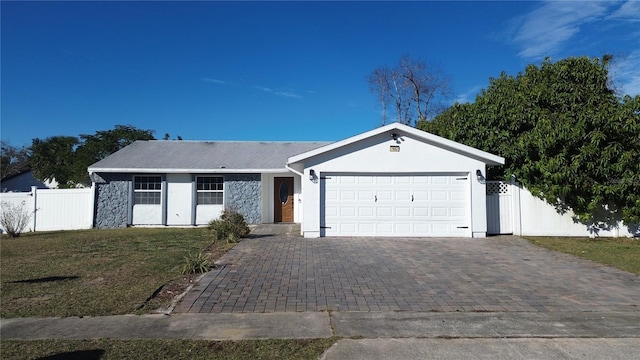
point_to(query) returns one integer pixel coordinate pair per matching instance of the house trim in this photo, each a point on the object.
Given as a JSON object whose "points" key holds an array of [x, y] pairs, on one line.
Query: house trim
{"points": [[428, 138]]}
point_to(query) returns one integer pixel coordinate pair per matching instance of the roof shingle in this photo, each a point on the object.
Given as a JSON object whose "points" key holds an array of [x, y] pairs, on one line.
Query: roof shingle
{"points": [[203, 155]]}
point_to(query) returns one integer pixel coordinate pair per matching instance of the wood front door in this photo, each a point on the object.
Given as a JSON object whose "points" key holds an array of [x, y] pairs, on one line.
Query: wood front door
{"points": [[283, 199]]}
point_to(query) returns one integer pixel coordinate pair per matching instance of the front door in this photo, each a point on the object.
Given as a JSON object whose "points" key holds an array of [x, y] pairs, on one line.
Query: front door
{"points": [[283, 199]]}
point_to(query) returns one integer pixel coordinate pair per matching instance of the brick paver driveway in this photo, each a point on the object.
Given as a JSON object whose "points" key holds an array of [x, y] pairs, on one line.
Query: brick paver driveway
{"points": [[370, 274]]}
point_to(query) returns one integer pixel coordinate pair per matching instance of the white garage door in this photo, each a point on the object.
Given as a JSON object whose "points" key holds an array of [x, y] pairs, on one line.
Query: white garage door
{"points": [[395, 205]]}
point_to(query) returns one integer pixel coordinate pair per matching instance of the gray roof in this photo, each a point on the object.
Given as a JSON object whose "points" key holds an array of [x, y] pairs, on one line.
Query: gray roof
{"points": [[206, 156]]}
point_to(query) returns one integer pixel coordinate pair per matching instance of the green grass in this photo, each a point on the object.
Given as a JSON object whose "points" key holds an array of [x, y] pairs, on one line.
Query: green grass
{"points": [[166, 349], [92, 272], [621, 253]]}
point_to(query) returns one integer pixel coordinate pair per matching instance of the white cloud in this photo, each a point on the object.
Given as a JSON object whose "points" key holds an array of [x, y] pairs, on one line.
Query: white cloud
{"points": [[629, 11], [543, 31], [215, 81], [468, 96], [288, 94], [626, 73], [263, 88]]}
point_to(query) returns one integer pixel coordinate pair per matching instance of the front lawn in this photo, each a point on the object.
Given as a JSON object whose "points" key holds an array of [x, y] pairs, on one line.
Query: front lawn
{"points": [[166, 349], [94, 272], [621, 253]]}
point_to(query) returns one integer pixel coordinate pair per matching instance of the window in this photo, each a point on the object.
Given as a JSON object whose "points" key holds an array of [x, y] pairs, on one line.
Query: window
{"points": [[147, 190], [210, 190]]}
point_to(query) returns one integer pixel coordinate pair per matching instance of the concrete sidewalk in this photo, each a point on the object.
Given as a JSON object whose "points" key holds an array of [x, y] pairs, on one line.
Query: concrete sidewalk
{"points": [[292, 325], [490, 349]]}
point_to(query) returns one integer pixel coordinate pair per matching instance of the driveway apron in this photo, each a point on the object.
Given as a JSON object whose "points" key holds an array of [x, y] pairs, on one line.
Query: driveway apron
{"points": [[498, 274]]}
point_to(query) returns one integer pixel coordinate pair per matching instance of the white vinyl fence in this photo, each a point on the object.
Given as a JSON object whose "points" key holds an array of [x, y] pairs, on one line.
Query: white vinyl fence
{"points": [[55, 209], [512, 209]]}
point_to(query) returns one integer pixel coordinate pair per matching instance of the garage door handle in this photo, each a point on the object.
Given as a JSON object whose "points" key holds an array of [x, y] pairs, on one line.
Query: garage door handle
{"points": [[411, 198], [375, 198]]}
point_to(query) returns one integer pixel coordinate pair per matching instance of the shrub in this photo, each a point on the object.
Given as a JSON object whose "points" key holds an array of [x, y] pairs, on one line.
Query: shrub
{"points": [[197, 263], [230, 227], [14, 218]]}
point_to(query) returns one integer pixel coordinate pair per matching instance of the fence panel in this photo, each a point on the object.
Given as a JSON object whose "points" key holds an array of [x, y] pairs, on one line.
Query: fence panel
{"points": [[16, 199], [56, 209], [499, 208], [63, 209]]}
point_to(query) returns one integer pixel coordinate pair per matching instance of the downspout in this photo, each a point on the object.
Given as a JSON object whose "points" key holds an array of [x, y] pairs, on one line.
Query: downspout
{"points": [[93, 199]]}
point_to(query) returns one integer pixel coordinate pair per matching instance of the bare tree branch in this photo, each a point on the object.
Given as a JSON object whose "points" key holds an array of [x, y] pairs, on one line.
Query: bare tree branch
{"points": [[418, 90]]}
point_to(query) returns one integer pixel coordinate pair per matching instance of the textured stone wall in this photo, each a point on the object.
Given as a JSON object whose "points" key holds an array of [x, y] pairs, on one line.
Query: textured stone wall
{"points": [[112, 200], [243, 193]]}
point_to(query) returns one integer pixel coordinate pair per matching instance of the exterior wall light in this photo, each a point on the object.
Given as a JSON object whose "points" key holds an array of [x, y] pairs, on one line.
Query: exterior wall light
{"points": [[312, 174], [479, 175]]}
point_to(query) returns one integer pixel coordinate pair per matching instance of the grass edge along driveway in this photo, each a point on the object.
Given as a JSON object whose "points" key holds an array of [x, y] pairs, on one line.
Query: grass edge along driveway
{"points": [[621, 253]]}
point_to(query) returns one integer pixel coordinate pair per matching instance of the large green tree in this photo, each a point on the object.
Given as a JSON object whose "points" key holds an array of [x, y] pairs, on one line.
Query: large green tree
{"points": [[66, 158], [565, 135], [103, 143], [54, 159]]}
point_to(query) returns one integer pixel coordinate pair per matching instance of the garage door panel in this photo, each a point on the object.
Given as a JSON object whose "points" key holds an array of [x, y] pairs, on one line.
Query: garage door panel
{"points": [[439, 212], [347, 179], [403, 212], [421, 195], [331, 211], [457, 195], [421, 211], [348, 228], [396, 205], [347, 211], [402, 180], [384, 195], [347, 195], [365, 212], [403, 228], [331, 195], [439, 195], [366, 228], [385, 211], [364, 195], [402, 195], [422, 228], [439, 180]]}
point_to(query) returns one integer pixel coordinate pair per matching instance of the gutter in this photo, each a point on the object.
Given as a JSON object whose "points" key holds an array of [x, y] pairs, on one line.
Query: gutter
{"points": [[293, 170]]}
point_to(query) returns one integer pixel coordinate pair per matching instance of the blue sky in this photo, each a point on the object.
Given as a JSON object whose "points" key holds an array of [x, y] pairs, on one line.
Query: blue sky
{"points": [[272, 70]]}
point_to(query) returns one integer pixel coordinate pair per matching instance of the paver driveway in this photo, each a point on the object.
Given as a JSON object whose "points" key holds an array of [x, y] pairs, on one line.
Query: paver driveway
{"points": [[371, 274]]}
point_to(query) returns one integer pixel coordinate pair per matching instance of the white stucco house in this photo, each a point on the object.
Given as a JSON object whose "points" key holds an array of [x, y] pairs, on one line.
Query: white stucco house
{"points": [[394, 180]]}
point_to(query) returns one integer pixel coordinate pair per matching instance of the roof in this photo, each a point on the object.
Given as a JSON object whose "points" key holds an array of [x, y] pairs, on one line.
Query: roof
{"points": [[175, 156], [487, 158]]}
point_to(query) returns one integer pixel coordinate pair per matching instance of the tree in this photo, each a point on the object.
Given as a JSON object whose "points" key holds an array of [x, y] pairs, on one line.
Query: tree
{"points": [[103, 143], [66, 158], [54, 159], [415, 89], [564, 134], [13, 160]]}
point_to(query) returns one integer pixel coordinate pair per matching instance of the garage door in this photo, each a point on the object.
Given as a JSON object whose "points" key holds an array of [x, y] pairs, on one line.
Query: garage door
{"points": [[393, 205]]}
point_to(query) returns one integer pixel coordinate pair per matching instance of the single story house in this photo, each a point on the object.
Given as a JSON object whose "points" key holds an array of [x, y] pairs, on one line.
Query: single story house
{"points": [[394, 180], [23, 182]]}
